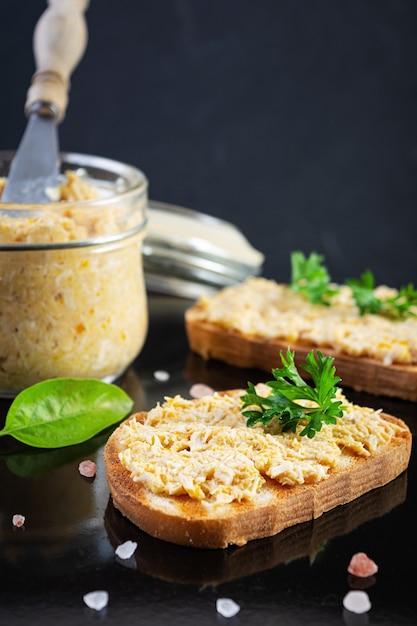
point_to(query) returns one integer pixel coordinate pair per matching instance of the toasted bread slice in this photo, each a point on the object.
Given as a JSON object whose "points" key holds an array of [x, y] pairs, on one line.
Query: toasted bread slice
{"points": [[186, 520], [222, 342]]}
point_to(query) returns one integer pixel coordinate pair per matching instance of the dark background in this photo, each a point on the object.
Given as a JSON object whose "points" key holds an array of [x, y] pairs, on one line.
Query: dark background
{"points": [[293, 119]]}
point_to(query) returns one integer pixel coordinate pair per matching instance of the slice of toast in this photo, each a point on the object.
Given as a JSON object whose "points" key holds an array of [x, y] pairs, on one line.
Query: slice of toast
{"points": [[186, 520], [212, 338]]}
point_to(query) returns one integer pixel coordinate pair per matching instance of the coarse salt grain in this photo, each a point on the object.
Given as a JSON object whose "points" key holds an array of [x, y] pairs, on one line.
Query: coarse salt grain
{"points": [[161, 375], [18, 520], [87, 469], [126, 550], [357, 602], [227, 607], [96, 600], [361, 565], [199, 390]]}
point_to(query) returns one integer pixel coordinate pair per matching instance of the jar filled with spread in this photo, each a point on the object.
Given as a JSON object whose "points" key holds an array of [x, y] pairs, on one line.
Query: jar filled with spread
{"points": [[72, 289]]}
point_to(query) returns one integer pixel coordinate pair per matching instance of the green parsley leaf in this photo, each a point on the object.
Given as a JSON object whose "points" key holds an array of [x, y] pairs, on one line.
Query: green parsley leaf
{"points": [[401, 305], [405, 302], [288, 388], [363, 293], [310, 277]]}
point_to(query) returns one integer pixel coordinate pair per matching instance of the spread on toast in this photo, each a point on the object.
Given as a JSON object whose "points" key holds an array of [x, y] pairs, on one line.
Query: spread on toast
{"points": [[192, 472]]}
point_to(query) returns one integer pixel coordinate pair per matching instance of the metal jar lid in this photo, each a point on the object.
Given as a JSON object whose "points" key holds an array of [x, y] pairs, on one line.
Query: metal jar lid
{"points": [[188, 254]]}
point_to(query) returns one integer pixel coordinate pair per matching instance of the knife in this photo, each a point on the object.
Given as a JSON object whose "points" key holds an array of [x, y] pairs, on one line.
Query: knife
{"points": [[59, 41]]}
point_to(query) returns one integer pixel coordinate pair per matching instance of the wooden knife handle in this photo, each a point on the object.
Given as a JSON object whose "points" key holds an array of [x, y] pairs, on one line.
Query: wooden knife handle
{"points": [[59, 41]]}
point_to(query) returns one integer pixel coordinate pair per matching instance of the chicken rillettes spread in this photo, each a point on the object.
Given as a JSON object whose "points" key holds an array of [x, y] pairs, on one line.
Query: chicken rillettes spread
{"points": [[69, 310]]}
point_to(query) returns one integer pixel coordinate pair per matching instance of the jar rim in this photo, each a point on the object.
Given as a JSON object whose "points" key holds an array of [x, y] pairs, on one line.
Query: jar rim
{"points": [[123, 195], [131, 174]]}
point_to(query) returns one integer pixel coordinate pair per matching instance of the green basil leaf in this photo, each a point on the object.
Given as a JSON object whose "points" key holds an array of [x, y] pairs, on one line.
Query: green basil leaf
{"points": [[65, 411]]}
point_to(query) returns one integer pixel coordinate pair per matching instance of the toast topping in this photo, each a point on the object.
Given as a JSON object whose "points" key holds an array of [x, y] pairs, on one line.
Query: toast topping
{"points": [[262, 307], [202, 448]]}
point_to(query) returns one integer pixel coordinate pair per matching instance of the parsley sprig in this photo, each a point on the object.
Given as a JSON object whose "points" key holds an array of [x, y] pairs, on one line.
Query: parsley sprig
{"points": [[310, 277], [398, 306], [288, 387]]}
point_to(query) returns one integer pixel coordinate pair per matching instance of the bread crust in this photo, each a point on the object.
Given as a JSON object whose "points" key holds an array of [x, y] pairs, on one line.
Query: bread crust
{"points": [[213, 341], [168, 561], [185, 521]]}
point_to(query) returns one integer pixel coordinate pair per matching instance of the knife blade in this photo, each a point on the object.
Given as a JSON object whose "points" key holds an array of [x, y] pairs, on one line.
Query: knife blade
{"points": [[34, 179], [60, 39]]}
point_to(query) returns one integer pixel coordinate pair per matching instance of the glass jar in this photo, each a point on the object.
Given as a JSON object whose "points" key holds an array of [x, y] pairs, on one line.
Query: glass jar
{"points": [[72, 289]]}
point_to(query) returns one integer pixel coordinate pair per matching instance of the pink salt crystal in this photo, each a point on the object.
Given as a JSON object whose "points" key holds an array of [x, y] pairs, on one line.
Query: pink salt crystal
{"points": [[87, 469], [357, 602], [161, 376], [227, 607], [126, 550], [96, 600], [18, 520], [199, 390], [361, 565]]}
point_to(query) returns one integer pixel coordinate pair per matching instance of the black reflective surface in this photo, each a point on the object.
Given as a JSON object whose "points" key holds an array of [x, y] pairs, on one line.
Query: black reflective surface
{"points": [[66, 547]]}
